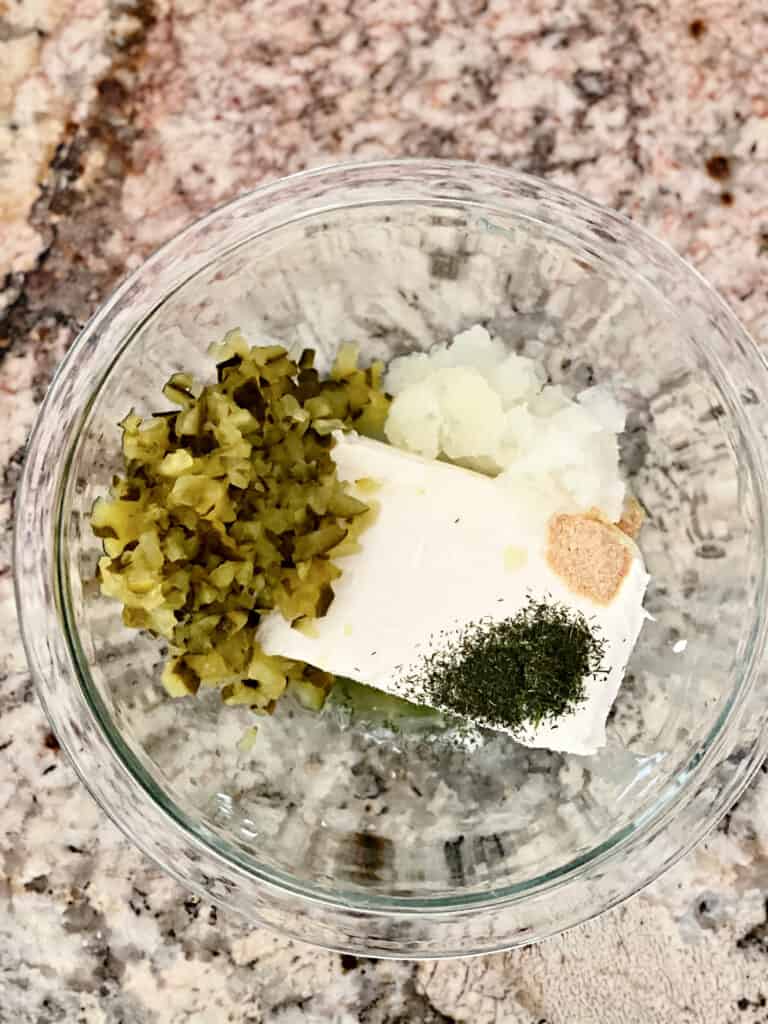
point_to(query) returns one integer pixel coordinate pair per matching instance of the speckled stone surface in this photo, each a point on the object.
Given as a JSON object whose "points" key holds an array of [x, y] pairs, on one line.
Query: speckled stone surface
{"points": [[122, 120]]}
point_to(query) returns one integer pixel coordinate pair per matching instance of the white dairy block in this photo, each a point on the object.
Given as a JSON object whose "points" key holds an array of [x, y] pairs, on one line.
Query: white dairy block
{"points": [[449, 547]]}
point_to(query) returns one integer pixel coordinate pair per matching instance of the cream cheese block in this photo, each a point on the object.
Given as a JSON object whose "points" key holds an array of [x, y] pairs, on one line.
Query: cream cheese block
{"points": [[450, 547]]}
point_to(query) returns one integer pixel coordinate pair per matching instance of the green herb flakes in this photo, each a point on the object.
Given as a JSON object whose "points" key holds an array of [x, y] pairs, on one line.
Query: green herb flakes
{"points": [[513, 673]]}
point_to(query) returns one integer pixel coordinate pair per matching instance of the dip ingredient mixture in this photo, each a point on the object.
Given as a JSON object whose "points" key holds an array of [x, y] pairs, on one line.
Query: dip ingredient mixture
{"points": [[452, 532]]}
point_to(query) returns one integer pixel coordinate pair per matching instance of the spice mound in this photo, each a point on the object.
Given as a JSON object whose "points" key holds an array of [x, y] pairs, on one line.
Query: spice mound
{"points": [[513, 672], [592, 557]]}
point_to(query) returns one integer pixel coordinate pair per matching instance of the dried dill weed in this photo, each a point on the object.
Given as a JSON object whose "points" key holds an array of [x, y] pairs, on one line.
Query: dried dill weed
{"points": [[512, 673], [229, 507]]}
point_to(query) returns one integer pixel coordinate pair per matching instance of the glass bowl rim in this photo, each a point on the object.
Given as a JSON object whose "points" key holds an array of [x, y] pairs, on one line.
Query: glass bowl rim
{"points": [[455, 172]]}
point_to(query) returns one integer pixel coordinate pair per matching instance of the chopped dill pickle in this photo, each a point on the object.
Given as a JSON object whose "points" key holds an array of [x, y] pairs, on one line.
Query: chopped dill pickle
{"points": [[248, 740], [175, 463], [371, 418], [319, 541], [229, 507], [308, 695], [178, 679], [179, 390], [312, 691], [372, 705], [346, 506]]}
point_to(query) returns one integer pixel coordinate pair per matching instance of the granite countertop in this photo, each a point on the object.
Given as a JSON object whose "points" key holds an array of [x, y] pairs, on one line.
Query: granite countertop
{"points": [[121, 121]]}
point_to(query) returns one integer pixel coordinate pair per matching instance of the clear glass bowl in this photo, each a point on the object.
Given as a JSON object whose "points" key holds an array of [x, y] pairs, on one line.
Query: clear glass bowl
{"points": [[395, 844]]}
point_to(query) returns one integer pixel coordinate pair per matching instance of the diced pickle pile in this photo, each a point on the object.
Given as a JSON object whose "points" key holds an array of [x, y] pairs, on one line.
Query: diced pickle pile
{"points": [[231, 507]]}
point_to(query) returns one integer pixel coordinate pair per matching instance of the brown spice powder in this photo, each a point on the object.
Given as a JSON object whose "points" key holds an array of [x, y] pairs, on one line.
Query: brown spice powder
{"points": [[591, 556], [632, 518]]}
